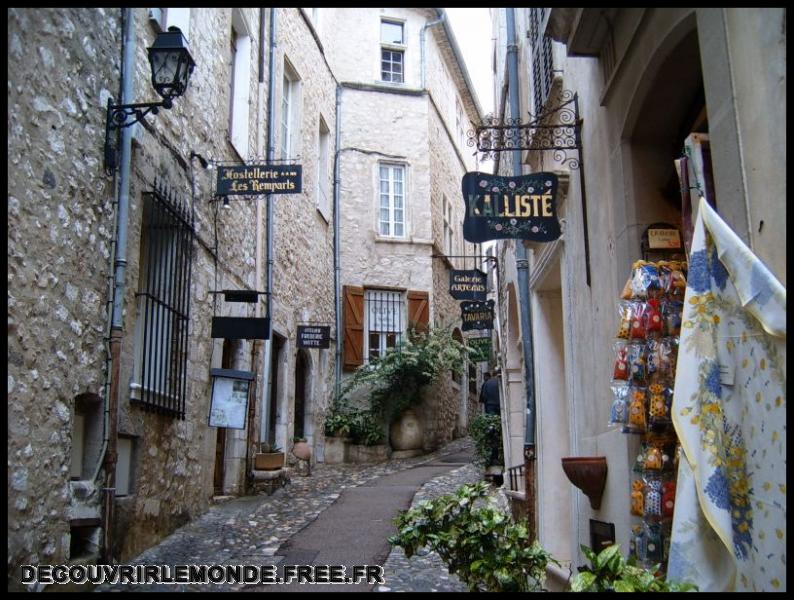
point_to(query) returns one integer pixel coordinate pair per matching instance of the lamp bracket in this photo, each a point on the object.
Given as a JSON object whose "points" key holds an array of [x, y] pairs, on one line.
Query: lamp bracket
{"points": [[120, 116]]}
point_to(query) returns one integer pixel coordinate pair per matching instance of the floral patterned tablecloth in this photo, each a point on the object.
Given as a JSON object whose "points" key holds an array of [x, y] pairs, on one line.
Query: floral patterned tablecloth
{"points": [[729, 411]]}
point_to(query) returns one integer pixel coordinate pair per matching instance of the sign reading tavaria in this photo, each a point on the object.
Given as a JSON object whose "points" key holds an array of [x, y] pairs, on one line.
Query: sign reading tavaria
{"points": [[510, 207]]}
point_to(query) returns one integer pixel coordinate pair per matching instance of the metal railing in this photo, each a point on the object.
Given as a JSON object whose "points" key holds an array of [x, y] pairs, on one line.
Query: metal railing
{"points": [[515, 476]]}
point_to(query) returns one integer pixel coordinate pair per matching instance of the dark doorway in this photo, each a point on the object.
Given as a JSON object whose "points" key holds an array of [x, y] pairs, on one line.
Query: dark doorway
{"points": [[278, 344], [300, 395]]}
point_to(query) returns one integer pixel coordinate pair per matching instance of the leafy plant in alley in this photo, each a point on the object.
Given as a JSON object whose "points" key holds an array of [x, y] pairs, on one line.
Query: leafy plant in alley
{"points": [[610, 572], [486, 431], [477, 541]]}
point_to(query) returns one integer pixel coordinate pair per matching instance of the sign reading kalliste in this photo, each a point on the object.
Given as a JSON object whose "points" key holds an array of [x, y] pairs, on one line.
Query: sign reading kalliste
{"points": [[258, 179], [510, 207], [467, 285]]}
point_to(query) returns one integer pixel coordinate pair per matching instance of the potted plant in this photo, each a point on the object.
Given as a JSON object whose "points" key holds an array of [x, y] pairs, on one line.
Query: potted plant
{"points": [[610, 572], [269, 458]]}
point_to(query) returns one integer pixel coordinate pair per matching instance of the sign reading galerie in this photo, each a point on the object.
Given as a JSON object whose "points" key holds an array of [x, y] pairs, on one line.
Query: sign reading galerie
{"points": [[314, 336], [259, 179], [477, 315], [510, 207], [467, 285]]}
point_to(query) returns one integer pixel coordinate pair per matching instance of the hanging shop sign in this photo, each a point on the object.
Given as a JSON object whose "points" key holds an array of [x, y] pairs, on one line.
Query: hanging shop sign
{"points": [[477, 315], [229, 404], [510, 207], [259, 179], [467, 285], [480, 349], [241, 328], [314, 336]]}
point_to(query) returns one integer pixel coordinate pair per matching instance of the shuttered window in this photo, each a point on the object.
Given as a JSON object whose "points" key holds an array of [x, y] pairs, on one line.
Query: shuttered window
{"points": [[376, 320]]}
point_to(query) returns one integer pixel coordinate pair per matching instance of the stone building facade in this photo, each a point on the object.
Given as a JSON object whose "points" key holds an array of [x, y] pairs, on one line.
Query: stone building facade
{"points": [[645, 79], [61, 199], [401, 160]]}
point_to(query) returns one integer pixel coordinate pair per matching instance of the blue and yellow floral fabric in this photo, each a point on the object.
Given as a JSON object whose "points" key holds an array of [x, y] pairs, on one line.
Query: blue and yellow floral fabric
{"points": [[729, 411]]}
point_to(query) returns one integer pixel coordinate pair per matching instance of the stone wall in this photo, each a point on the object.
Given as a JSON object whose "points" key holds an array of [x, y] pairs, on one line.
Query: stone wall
{"points": [[60, 224], [303, 276]]}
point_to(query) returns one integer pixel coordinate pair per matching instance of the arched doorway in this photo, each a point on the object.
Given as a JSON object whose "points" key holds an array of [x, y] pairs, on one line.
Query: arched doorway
{"points": [[301, 395]]}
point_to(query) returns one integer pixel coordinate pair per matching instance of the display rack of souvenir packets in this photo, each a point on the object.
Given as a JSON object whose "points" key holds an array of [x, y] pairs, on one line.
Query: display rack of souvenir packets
{"points": [[642, 387]]}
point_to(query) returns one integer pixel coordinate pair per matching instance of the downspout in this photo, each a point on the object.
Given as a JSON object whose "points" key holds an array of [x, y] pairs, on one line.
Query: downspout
{"points": [[120, 267], [264, 431], [522, 267], [337, 248], [442, 16]]}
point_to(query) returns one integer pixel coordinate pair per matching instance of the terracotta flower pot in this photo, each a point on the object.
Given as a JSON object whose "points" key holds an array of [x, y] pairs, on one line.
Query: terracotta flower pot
{"points": [[589, 474], [302, 450], [268, 461]]}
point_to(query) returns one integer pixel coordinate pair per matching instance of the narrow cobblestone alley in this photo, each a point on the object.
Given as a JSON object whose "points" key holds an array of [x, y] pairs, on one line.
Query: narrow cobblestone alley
{"points": [[311, 521]]}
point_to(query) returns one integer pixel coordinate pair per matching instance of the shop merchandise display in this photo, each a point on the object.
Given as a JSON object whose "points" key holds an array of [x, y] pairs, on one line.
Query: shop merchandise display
{"points": [[643, 377]]}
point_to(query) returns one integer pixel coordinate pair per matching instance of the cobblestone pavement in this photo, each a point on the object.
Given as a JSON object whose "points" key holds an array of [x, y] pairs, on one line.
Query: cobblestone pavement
{"points": [[250, 530]]}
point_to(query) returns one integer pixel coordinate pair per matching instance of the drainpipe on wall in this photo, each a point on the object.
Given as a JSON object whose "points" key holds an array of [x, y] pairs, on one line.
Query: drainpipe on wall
{"points": [[442, 15], [337, 249], [525, 308], [264, 430], [120, 266]]}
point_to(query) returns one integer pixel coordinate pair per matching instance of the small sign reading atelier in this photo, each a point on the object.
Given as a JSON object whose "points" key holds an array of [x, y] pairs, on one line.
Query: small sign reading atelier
{"points": [[314, 336], [477, 315], [467, 285], [663, 238], [259, 179], [480, 349], [510, 207]]}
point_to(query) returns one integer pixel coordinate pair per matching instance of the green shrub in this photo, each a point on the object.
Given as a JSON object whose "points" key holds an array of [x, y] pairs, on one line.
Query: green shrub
{"points": [[480, 544], [609, 572], [395, 380], [486, 432]]}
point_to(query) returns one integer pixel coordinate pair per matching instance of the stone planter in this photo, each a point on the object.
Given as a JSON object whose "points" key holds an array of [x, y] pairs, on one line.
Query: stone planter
{"points": [[406, 432], [268, 461], [358, 453], [336, 450]]}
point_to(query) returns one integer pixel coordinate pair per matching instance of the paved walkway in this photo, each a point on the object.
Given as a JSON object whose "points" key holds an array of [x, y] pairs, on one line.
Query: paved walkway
{"points": [[297, 524]]}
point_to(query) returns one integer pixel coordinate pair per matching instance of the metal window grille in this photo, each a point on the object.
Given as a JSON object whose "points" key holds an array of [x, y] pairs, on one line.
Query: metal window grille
{"points": [[391, 65], [164, 302], [542, 67], [385, 322]]}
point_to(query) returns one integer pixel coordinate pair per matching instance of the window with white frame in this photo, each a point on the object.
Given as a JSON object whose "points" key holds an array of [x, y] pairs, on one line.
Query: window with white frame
{"points": [[384, 321], [240, 84], [289, 112], [392, 52], [323, 196], [391, 214]]}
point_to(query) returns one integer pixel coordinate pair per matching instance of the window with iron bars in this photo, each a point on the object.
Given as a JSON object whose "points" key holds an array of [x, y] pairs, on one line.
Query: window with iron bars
{"points": [[161, 340], [542, 67], [384, 321]]}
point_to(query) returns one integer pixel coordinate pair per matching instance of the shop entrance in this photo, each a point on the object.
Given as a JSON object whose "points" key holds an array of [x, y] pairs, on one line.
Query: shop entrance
{"points": [[301, 376]]}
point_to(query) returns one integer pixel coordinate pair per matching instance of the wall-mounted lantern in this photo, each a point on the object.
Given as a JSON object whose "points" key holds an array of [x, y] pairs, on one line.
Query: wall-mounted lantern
{"points": [[172, 66]]}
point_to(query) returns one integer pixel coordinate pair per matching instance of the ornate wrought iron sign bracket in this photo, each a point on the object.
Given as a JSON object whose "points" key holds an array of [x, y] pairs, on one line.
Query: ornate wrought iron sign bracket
{"points": [[557, 129]]}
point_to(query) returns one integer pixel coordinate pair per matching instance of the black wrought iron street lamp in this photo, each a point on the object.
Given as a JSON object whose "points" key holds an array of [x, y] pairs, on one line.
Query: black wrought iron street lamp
{"points": [[172, 66]]}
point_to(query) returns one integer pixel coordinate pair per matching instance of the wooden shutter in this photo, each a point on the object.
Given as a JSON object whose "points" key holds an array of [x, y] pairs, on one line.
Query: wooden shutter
{"points": [[353, 322], [418, 310]]}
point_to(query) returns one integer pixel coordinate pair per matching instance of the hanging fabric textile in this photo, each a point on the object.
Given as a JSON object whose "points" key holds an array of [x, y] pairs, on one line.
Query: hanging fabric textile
{"points": [[729, 411]]}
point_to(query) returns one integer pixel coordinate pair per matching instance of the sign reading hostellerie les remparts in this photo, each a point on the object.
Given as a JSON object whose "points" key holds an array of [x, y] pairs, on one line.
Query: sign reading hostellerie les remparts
{"points": [[259, 179]]}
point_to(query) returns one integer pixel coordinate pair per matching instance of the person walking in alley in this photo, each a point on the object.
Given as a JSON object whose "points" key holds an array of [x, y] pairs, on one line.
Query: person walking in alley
{"points": [[489, 393]]}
